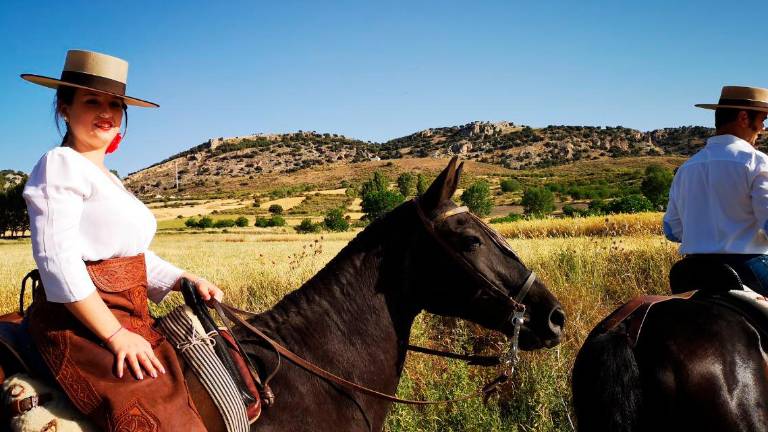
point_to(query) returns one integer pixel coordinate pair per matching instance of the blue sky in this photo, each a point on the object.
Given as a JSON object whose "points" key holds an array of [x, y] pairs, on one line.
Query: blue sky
{"points": [[377, 70]]}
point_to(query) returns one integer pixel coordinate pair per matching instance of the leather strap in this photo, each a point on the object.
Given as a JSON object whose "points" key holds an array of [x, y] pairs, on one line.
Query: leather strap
{"points": [[225, 310], [19, 407], [475, 360], [640, 304]]}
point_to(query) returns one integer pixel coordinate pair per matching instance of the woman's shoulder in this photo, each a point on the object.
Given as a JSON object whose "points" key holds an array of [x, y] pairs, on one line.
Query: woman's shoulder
{"points": [[59, 165]]}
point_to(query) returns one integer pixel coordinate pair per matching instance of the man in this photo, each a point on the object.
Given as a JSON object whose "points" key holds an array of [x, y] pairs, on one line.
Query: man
{"points": [[718, 201]]}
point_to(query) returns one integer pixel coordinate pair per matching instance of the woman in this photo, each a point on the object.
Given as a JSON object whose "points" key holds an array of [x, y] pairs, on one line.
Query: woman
{"points": [[90, 237]]}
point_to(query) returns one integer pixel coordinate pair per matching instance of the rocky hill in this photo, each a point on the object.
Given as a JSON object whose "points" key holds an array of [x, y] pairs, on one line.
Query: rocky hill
{"points": [[241, 161]]}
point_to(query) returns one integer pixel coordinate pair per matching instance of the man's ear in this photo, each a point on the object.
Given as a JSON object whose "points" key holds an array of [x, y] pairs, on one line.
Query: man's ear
{"points": [[444, 186]]}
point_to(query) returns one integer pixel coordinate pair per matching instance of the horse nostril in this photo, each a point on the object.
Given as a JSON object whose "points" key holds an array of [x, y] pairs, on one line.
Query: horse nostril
{"points": [[557, 320]]}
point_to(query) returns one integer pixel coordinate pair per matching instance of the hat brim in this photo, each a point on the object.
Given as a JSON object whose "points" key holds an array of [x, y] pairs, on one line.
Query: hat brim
{"points": [[55, 83], [740, 107]]}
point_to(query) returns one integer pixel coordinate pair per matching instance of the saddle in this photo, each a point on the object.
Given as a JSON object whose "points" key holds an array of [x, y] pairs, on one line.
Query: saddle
{"points": [[703, 278]]}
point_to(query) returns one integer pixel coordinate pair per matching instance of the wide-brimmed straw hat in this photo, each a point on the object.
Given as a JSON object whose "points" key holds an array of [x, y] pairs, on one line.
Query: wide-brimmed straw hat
{"points": [[93, 71], [746, 98]]}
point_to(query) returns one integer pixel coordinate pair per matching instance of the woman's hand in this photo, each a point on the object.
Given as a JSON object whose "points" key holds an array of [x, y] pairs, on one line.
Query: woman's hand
{"points": [[134, 349], [208, 291]]}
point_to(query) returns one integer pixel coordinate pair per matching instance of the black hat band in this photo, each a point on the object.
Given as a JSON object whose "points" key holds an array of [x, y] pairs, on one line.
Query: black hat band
{"points": [[94, 82], [746, 103]]}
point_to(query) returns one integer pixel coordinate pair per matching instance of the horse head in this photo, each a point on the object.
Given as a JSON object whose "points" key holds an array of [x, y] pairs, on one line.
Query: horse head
{"points": [[467, 270]]}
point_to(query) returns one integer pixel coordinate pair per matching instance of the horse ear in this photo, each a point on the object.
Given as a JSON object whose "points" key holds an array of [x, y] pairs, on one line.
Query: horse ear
{"points": [[444, 186]]}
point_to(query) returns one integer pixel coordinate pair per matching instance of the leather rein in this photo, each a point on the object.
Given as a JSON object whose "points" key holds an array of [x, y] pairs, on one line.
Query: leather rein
{"points": [[508, 360]]}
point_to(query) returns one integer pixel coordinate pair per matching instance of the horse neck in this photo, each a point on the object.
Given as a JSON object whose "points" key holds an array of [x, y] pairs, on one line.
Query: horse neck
{"points": [[352, 315]]}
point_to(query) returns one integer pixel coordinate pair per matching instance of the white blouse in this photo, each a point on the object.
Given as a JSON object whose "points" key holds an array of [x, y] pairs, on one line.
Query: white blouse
{"points": [[79, 213]]}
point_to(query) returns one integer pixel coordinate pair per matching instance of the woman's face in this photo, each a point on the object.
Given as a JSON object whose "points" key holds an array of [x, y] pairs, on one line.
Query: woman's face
{"points": [[94, 119]]}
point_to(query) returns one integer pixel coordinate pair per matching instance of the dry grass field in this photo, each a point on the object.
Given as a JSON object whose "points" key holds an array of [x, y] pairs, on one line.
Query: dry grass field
{"points": [[591, 265]]}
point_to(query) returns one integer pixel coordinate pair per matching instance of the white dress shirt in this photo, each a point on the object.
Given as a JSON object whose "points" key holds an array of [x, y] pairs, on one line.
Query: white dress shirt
{"points": [[718, 202], [79, 213]]}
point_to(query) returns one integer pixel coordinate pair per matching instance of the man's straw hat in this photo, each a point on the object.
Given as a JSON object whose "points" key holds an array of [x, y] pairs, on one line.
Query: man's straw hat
{"points": [[746, 98], [93, 71]]}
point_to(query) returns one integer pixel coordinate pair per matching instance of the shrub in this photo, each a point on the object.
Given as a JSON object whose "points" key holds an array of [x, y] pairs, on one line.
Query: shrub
{"points": [[538, 201], [205, 222], [191, 223], [242, 221], [570, 210], [276, 209], [478, 198], [376, 204], [224, 223], [656, 183], [334, 220], [307, 226], [277, 221], [512, 217], [274, 221], [510, 185]]}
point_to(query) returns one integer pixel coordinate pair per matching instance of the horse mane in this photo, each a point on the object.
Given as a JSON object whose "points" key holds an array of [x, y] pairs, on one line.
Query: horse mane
{"points": [[346, 269]]}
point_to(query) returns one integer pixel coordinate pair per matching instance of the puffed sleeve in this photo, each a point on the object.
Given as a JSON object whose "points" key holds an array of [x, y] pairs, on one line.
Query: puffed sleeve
{"points": [[55, 195], [161, 275]]}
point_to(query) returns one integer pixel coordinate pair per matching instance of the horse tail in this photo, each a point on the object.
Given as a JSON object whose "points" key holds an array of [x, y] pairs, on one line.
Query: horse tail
{"points": [[606, 384]]}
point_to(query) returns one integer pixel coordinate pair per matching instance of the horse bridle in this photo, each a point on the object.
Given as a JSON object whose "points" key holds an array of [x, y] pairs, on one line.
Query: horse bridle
{"points": [[508, 359]]}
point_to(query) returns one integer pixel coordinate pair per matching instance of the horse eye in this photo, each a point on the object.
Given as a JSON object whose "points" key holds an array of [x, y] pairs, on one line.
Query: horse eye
{"points": [[472, 243]]}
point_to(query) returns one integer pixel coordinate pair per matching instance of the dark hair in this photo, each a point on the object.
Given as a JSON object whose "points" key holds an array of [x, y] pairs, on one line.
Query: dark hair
{"points": [[65, 95], [723, 116]]}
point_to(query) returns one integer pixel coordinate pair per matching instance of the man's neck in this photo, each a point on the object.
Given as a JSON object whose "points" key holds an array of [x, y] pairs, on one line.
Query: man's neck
{"points": [[738, 133]]}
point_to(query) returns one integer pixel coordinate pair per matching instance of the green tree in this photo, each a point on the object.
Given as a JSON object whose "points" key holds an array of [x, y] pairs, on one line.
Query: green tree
{"points": [[421, 184], [630, 204], [406, 184], [205, 222], [377, 183], [276, 209], [538, 201], [242, 221], [13, 211], [334, 220], [376, 204], [656, 183], [510, 185], [478, 198]]}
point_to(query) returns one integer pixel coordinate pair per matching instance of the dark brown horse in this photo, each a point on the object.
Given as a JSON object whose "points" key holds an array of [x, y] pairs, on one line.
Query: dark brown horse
{"points": [[354, 317], [697, 366]]}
